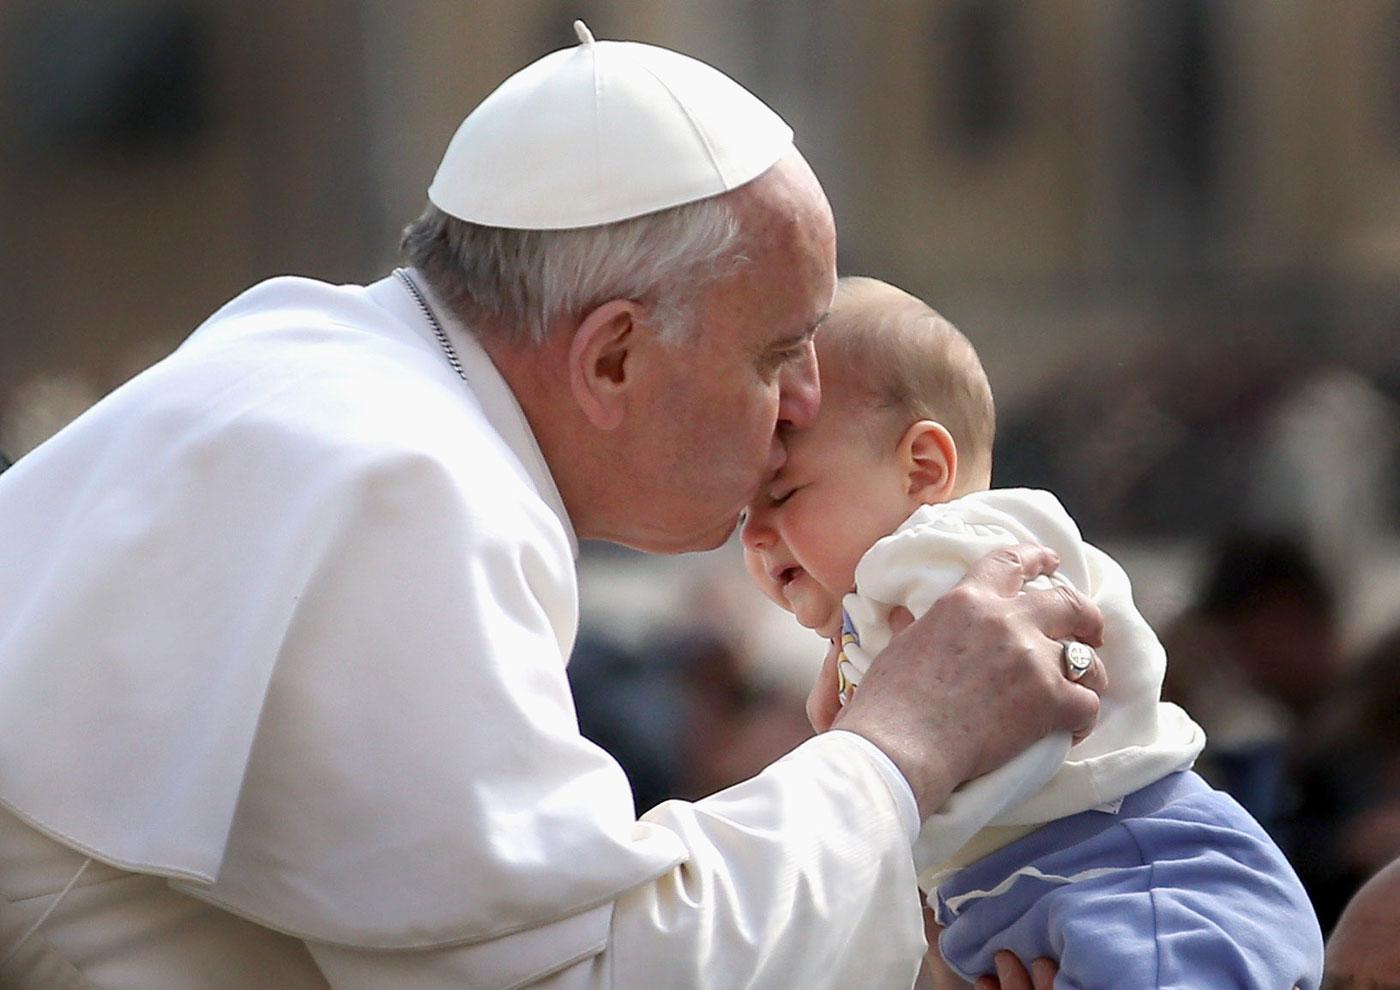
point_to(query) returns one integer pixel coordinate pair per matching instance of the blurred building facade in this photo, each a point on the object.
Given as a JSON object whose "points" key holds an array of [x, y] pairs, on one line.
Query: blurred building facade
{"points": [[1063, 177], [1159, 220]]}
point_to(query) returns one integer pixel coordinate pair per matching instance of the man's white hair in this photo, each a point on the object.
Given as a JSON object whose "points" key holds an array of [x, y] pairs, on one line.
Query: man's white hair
{"points": [[517, 283]]}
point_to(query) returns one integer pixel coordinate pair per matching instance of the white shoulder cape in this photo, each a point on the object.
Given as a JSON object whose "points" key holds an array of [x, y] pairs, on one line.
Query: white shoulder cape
{"points": [[274, 617]]}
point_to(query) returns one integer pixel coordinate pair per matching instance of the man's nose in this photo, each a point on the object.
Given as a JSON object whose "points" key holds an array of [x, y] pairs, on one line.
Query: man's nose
{"points": [[800, 391]]}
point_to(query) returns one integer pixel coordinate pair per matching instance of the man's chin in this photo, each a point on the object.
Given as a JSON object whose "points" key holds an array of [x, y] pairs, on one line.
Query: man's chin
{"points": [[695, 542]]}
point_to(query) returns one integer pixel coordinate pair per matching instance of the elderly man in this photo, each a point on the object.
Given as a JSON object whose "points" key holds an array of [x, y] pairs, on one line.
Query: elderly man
{"points": [[283, 622]]}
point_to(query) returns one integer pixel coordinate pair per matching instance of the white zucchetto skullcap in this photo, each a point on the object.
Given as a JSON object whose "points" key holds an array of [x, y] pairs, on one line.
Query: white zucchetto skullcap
{"points": [[602, 132]]}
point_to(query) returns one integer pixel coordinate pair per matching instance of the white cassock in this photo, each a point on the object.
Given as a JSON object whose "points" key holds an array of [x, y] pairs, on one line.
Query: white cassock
{"points": [[283, 627]]}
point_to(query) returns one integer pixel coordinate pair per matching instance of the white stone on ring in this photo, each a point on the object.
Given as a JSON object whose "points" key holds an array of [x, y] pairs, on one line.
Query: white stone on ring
{"points": [[1078, 659]]}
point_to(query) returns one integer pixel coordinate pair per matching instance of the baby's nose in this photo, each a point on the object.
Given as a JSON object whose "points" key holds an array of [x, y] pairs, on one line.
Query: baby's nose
{"points": [[755, 533]]}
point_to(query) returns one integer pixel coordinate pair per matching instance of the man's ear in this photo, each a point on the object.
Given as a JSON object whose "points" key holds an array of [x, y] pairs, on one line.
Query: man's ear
{"points": [[599, 365], [929, 458]]}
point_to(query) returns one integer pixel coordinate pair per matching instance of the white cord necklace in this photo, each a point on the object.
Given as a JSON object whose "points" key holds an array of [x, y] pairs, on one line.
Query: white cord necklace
{"points": [[438, 332]]}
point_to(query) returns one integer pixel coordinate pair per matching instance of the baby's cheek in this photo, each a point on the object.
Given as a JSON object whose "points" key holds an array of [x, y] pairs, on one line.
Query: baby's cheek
{"points": [[758, 574]]}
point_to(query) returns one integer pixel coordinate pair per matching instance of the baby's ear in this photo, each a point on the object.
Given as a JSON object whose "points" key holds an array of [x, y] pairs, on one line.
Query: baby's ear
{"points": [[929, 458]]}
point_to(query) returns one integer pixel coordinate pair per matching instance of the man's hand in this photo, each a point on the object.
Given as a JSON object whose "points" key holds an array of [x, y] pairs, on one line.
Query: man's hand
{"points": [[978, 678]]}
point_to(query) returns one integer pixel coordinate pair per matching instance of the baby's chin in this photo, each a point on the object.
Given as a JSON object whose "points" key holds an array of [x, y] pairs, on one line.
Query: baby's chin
{"points": [[823, 619]]}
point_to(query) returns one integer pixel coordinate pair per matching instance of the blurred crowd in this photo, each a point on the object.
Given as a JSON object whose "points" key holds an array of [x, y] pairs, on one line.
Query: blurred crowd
{"points": [[1304, 735]]}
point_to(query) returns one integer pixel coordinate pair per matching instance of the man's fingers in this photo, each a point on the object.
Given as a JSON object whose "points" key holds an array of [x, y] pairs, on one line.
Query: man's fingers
{"points": [[1065, 615], [1081, 694], [978, 677], [1062, 612], [1005, 571], [1095, 678], [1043, 973]]}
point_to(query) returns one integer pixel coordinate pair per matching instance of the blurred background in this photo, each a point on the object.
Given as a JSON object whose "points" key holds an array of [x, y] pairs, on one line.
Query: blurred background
{"points": [[1171, 227]]}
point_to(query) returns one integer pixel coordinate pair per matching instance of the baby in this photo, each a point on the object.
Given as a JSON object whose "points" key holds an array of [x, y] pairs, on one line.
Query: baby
{"points": [[1110, 855]]}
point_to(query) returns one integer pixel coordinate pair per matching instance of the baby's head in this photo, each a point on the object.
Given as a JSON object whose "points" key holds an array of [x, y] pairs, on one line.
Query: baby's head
{"points": [[906, 420]]}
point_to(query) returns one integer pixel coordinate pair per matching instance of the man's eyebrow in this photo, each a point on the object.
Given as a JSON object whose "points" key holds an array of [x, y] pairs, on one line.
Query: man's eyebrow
{"points": [[804, 336]]}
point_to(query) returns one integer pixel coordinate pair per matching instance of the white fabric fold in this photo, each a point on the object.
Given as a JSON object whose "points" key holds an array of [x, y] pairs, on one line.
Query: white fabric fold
{"points": [[800, 877]]}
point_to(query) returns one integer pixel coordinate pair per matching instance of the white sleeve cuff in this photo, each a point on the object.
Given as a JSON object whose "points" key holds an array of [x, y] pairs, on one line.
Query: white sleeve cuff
{"points": [[895, 780]]}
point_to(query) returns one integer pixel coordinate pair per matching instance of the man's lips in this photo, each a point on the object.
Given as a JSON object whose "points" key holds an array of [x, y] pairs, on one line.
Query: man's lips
{"points": [[777, 457]]}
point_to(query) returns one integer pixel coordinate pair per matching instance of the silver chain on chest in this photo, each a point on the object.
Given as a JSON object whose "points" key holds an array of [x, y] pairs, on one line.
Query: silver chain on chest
{"points": [[438, 332]]}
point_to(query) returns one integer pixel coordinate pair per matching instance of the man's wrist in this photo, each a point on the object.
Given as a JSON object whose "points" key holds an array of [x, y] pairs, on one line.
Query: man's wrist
{"points": [[927, 775], [898, 784]]}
